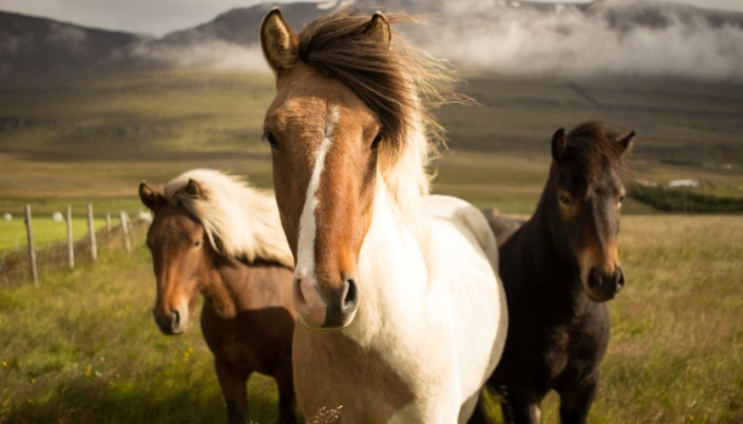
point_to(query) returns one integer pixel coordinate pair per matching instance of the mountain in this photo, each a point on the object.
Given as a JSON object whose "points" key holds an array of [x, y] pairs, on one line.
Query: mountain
{"points": [[605, 37], [33, 47]]}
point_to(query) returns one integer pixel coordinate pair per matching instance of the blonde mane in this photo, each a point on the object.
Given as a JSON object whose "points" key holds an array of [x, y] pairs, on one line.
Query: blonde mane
{"points": [[244, 220], [399, 82]]}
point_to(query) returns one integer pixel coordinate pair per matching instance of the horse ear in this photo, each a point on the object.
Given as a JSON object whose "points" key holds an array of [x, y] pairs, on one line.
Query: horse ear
{"points": [[627, 141], [279, 43], [559, 145], [150, 197], [378, 29], [193, 188]]}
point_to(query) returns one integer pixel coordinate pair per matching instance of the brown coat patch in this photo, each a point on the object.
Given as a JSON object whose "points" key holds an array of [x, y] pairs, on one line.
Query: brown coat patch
{"points": [[361, 381]]}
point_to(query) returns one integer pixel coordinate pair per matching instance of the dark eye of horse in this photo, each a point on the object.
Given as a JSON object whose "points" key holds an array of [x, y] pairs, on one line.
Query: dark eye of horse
{"points": [[564, 200], [377, 140], [271, 139], [621, 198], [197, 243]]}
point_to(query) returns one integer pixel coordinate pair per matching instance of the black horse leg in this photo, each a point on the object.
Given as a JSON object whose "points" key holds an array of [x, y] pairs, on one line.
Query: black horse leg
{"points": [[519, 405], [574, 405]]}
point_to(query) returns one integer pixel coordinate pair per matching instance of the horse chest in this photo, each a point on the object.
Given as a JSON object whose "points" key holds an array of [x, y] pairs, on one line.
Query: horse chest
{"points": [[362, 381], [249, 341], [573, 350]]}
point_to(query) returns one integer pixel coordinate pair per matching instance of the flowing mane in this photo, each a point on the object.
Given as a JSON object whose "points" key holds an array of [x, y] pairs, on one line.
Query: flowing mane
{"points": [[399, 82], [240, 221]]}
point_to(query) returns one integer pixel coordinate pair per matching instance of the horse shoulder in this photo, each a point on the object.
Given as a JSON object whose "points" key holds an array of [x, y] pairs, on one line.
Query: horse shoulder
{"points": [[468, 219]]}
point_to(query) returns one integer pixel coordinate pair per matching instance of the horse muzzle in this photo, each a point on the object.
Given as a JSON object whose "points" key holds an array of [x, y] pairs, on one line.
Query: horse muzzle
{"points": [[602, 285], [329, 309], [172, 322]]}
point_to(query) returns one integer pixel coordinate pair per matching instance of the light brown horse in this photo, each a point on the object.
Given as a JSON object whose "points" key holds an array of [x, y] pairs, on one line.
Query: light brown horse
{"points": [[401, 283], [213, 235]]}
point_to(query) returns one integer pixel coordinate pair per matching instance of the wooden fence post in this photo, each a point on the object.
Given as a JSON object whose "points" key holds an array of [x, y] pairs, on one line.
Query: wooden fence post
{"points": [[70, 241], [31, 252], [108, 222], [125, 227], [91, 229]]}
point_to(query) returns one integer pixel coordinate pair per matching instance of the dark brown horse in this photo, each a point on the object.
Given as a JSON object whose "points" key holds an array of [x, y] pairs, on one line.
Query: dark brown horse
{"points": [[559, 269], [213, 235]]}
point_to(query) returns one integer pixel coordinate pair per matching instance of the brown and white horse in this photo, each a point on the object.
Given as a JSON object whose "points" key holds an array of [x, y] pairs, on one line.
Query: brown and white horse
{"points": [[213, 235], [403, 284]]}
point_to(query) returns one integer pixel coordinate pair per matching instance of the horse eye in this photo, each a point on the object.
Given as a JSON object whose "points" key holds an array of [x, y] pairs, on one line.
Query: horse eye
{"points": [[564, 200], [377, 140], [197, 243], [621, 198], [271, 139]]}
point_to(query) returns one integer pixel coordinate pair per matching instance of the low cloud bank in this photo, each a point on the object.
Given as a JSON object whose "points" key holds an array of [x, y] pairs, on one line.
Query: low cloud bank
{"points": [[606, 38]]}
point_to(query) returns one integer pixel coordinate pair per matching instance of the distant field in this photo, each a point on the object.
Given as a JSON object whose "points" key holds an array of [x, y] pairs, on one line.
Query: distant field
{"points": [[46, 232], [82, 348], [95, 138]]}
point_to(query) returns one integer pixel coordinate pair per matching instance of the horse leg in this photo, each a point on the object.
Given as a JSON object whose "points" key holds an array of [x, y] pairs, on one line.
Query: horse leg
{"points": [[519, 405], [574, 405], [287, 405], [234, 390]]}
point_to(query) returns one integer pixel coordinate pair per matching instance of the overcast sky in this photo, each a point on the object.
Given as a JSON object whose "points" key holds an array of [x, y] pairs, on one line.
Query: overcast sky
{"points": [[158, 17]]}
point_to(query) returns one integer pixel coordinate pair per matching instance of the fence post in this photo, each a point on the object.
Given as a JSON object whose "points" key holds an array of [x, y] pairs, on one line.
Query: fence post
{"points": [[125, 227], [70, 242], [108, 222], [91, 229], [31, 252]]}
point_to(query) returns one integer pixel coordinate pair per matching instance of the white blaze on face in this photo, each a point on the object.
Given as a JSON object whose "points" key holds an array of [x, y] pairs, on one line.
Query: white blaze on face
{"points": [[305, 270]]}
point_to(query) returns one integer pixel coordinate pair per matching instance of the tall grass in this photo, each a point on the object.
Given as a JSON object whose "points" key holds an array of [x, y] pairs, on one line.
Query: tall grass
{"points": [[83, 348]]}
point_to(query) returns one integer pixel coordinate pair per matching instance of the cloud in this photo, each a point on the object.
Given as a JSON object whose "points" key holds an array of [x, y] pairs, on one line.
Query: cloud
{"points": [[608, 38], [66, 36], [214, 54]]}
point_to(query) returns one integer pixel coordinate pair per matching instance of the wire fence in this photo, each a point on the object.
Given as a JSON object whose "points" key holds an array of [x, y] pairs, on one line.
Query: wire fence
{"points": [[70, 241]]}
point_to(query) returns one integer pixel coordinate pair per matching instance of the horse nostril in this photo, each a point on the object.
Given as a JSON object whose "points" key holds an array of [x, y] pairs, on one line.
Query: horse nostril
{"points": [[594, 279], [620, 279], [351, 297], [176, 318]]}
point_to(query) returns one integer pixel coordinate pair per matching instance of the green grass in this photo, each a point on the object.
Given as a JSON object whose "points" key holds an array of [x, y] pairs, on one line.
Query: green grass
{"points": [[46, 232], [676, 348], [83, 348]]}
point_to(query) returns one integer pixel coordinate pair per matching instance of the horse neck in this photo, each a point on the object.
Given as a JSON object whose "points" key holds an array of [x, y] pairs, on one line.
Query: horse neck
{"points": [[391, 266], [407, 181], [222, 292]]}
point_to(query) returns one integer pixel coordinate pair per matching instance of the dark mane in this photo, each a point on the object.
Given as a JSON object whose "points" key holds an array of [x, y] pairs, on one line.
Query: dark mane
{"points": [[591, 150], [398, 83]]}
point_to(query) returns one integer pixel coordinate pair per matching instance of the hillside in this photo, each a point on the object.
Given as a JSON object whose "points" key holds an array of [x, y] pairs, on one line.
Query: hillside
{"points": [[603, 38], [32, 47]]}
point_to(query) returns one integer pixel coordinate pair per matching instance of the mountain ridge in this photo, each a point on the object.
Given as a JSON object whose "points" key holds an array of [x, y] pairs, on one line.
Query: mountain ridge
{"points": [[32, 47]]}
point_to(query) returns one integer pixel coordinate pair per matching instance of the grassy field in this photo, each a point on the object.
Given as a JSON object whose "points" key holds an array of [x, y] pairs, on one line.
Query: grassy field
{"points": [[83, 348], [46, 231], [95, 138]]}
